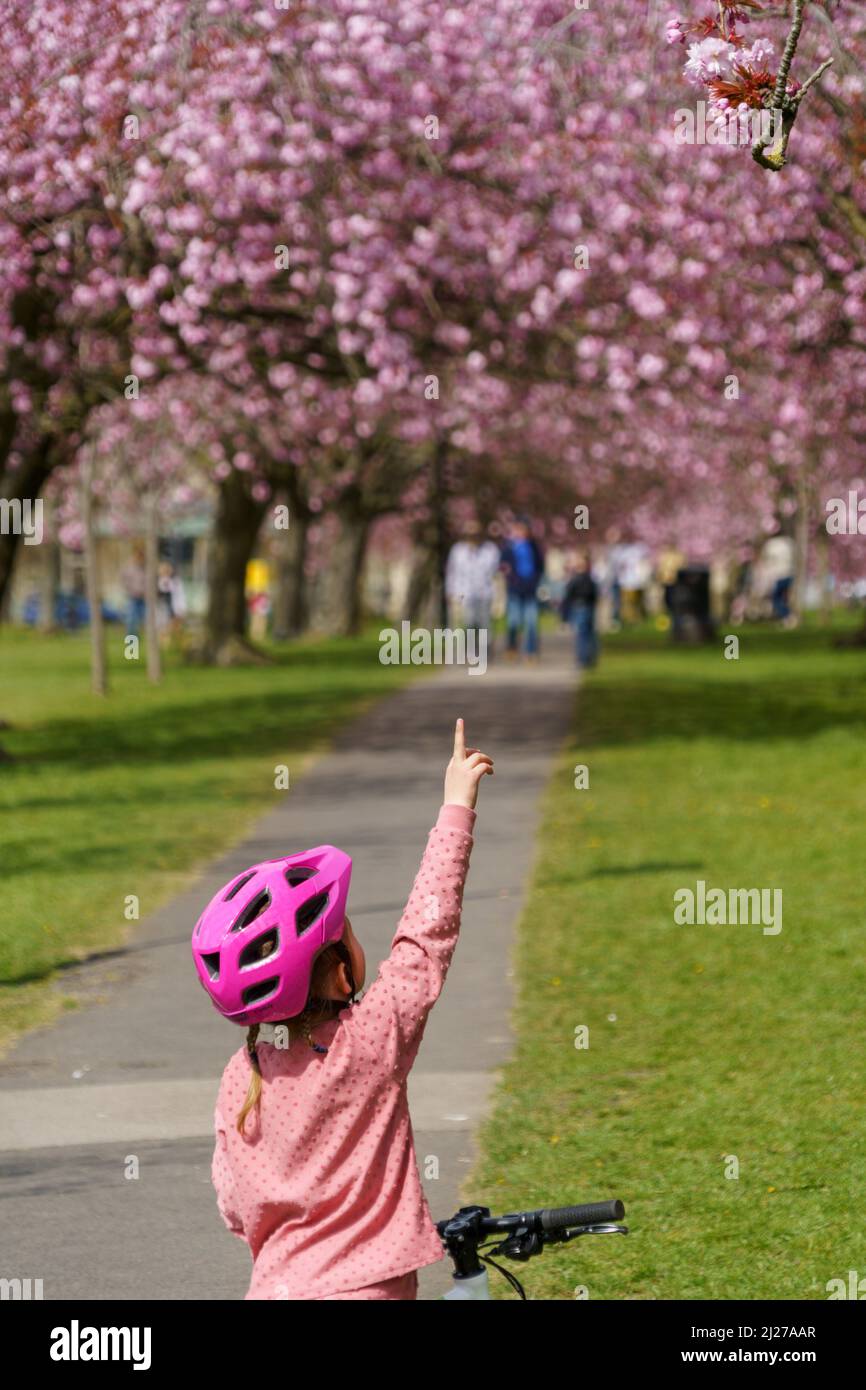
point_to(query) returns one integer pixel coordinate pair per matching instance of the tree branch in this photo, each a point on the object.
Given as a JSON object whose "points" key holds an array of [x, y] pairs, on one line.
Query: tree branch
{"points": [[788, 55], [788, 105]]}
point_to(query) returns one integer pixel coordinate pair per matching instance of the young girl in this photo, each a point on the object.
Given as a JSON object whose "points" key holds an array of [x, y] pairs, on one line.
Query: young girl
{"points": [[314, 1166]]}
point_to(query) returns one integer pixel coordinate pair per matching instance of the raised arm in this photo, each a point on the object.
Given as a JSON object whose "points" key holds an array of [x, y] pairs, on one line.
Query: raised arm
{"points": [[388, 1024]]}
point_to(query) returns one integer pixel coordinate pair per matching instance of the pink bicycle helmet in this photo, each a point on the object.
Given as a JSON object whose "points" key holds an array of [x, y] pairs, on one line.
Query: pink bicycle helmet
{"points": [[257, 940]]}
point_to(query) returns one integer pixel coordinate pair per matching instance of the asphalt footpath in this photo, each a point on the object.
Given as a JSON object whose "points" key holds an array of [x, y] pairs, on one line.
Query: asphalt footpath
{"points": [[106, 1116]]}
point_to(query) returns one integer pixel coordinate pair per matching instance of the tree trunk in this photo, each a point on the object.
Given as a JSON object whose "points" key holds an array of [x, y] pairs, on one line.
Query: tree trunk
{"points": [[422, 580], [822, 545], [236, 526], [151, 566], [439, 505], [49, 586], [290, 590], [339, 609], [98, 662]]}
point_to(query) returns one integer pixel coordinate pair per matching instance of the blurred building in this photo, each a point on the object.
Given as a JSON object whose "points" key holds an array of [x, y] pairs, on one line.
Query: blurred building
{"points": [[49, 578]]}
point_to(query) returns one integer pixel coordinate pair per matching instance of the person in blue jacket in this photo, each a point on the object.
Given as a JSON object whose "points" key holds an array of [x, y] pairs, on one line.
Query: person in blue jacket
{"points": [[523, 564]]}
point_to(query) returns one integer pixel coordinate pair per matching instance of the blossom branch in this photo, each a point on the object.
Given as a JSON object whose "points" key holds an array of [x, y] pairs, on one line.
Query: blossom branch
{"points": [[783, 101], [790, 109], [741, 77], [790, 50], [816, 76]]}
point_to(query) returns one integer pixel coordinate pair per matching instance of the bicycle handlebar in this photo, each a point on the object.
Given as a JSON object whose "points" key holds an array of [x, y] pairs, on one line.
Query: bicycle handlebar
{"points": [[525, 1233], [590, 1214], [547, 1221]]}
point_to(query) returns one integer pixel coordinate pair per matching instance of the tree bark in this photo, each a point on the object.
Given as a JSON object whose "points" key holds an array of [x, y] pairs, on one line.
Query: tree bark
{"points": [[422, 581], [49, 585], [439, 506], [236, 527], [822, 545], [290, 589], [339, 608], [98, 662]]}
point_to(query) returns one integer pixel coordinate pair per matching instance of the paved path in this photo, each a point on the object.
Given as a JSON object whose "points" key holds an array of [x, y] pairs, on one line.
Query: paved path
{"points": [[133, 1074]]}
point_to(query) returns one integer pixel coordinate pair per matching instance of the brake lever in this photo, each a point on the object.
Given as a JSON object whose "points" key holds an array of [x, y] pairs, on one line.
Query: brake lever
{"points": [[604, 1228], [523, 1244]]}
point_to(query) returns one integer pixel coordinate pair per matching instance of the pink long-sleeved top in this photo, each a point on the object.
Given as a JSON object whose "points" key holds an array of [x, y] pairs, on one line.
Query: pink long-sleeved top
{"points": [[325, 1189]]}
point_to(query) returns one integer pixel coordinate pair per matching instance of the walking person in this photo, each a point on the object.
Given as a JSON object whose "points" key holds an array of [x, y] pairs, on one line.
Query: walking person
{"points": [[614, 560], [170, 601], [523, 564], [578, 608], [779, 564], [134, 580], [634, 575], [668, 565], [469, 573]]}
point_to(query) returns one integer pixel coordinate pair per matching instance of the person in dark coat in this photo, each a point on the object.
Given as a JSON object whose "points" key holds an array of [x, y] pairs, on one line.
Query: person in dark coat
{"points": [[578, 608]]}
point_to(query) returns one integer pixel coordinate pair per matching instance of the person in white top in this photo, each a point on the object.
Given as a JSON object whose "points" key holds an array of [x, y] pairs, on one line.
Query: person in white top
{"points": [[778, 563], [469, 574]]}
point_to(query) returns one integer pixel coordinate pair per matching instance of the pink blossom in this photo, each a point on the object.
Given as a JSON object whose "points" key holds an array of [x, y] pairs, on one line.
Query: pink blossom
{"points": [[645, 301], [708, 59]]}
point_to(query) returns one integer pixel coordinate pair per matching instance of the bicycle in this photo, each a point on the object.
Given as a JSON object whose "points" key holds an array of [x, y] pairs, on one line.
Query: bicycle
{"points": [[527, 1233]]}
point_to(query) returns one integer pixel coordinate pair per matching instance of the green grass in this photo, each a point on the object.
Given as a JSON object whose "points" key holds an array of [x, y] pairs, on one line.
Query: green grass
{"points": [[134, 793], [704, 1041]]}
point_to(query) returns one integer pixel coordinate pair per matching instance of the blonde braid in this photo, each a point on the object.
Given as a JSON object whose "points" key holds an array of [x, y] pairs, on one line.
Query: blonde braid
{"points": [[306, 1026], [255, 1089]]}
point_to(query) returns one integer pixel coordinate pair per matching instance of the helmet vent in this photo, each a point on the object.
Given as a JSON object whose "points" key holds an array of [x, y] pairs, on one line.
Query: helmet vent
{"points": [[211, 964], [253, 910], [309, 913], [260, 991], [236, 888], [297, 874], [261, 949]]}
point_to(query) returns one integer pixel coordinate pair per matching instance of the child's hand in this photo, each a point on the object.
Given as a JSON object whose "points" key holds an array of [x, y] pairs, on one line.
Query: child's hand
{"points": [[464, 772]]}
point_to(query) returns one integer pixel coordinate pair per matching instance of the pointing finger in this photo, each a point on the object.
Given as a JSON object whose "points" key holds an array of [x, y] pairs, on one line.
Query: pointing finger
{"points": [[459, 741]]}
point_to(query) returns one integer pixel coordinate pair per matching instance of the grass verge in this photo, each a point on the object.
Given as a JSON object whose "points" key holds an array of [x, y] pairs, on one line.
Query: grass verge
{"points": [[134, 793], [707, 1043]]}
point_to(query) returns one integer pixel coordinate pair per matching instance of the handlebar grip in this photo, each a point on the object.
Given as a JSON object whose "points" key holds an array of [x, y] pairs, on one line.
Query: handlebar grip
{"points": [[590, 1214]]}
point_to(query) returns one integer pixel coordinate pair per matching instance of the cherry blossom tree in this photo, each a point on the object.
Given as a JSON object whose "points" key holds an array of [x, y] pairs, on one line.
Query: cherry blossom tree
{"points": [[387, 256]]}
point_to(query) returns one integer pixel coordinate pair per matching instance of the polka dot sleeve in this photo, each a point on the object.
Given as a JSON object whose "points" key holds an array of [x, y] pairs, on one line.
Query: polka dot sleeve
{"points": [[388, 1024], [223, 1181]]}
